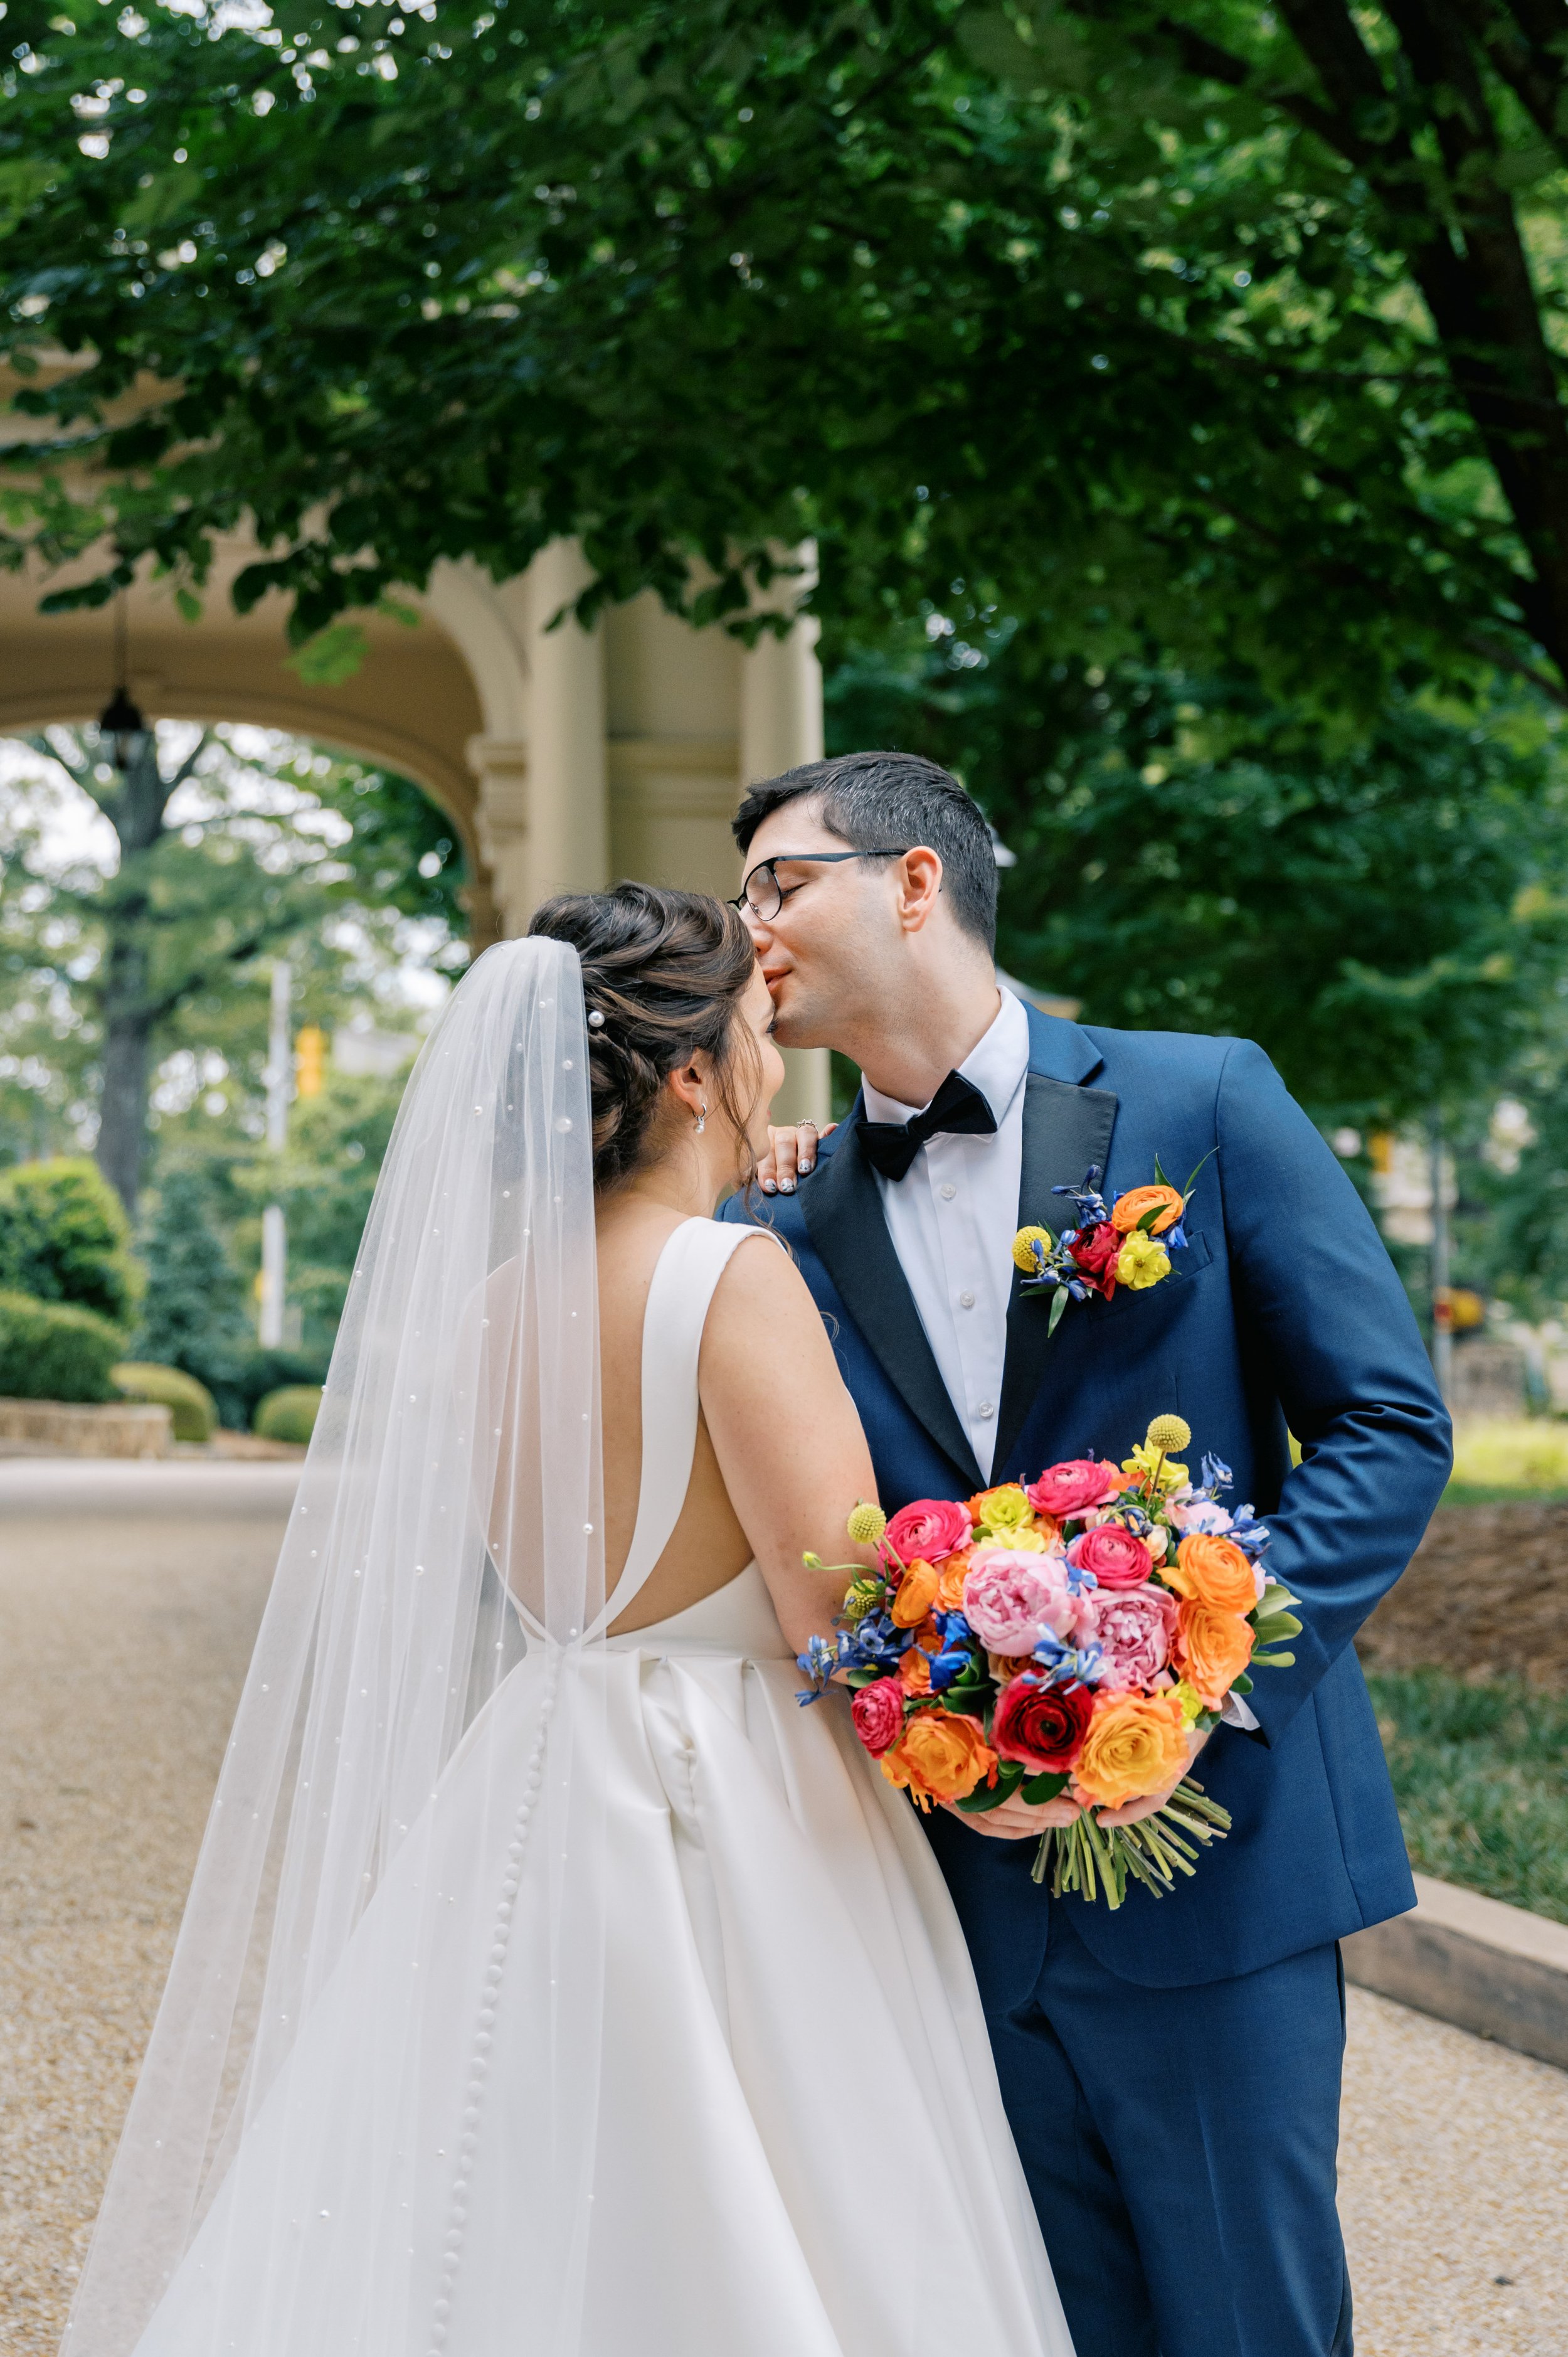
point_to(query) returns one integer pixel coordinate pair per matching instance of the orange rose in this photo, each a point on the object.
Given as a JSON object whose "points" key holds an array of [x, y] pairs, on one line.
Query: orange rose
{"points": [[1212, 1570], [1136, 1745], [949, 1591], [915, 1672], [941, 1755], [1128, 1210], [1213, 1648], [916, 1594]]}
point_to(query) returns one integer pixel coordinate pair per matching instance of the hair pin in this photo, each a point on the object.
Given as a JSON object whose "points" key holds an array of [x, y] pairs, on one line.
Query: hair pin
{"points": [[596, 1020]]}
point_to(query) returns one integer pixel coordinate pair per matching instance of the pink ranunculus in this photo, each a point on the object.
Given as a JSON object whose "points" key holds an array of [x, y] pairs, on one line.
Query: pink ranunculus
{"points": [[1134, 1627], [1068, 1488], [930, 1528], [1113, 1555], [1009, 1598], [877, 1711]]}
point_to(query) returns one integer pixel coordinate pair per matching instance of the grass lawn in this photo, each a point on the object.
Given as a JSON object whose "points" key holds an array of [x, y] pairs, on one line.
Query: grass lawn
{"points": [[1481, 1772], [1498, 1462]]}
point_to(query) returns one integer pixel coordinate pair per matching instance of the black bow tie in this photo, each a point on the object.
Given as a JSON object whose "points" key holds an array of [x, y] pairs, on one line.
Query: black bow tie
{"points": [[957, 1110]]}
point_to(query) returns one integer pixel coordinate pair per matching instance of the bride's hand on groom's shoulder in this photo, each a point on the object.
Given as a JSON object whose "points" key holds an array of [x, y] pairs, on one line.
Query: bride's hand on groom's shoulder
{"points": [[791, 1153]]}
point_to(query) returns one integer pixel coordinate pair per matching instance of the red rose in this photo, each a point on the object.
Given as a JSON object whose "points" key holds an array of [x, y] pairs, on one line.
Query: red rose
{"points": [[878, 1715], [1116, 1558], [1070, 1489], [929, 1527], [1042, 1725], [1095, 1251]]}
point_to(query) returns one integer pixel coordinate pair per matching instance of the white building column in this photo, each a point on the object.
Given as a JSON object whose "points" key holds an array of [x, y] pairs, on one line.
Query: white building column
{"points": [[568, 787]]}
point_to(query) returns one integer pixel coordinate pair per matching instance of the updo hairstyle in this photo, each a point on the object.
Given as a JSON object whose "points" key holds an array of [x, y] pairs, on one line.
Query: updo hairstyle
{"points": [[666, 970]]}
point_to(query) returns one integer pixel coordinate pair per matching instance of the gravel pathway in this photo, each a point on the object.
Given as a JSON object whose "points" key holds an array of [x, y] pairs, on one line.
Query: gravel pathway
{"points": [[128, 1598]]}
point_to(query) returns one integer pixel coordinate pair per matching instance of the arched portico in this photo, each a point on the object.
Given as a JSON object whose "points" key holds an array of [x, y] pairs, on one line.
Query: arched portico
{"points": [[562, 757]]}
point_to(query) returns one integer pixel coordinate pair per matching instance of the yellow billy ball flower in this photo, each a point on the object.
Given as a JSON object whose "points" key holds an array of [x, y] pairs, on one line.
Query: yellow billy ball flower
{"points": [[1168, 1433], [866, 1524], [1023, 1245]]}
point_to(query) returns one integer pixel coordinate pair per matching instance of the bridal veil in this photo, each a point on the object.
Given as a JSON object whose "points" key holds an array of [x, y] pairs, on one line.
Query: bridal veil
{"points": [[447, 1520]]}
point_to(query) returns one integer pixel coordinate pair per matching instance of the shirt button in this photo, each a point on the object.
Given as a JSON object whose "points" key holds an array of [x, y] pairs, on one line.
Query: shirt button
{"points": [[947, 1191], [985, 1410], [966, 1301]]}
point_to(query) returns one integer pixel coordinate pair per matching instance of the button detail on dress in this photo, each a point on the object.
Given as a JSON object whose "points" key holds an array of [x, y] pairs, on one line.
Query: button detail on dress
{"points": [[947, 1191]]}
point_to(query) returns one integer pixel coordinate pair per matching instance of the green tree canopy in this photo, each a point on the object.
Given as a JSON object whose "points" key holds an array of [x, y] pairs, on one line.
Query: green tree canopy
{"points": [[1236, 326]]}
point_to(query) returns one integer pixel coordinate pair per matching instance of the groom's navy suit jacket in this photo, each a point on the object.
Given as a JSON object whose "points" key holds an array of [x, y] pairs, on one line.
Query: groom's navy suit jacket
{"points": [[1283, 1315]]}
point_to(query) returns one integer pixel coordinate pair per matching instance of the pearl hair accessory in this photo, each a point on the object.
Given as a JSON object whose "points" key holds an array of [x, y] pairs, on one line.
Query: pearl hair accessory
{"points": [[596, 1020]]}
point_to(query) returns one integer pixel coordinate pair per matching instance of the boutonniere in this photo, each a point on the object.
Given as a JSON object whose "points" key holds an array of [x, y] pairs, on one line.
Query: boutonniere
{"points": [[1130, 1243]]}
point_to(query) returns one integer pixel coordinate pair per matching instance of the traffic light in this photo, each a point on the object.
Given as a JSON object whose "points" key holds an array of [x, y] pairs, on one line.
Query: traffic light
{"points": [[310, 1060]]}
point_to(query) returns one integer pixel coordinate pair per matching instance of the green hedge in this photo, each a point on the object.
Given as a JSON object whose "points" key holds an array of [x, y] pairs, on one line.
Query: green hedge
{"points": [[64, 1236], [51, 1351], [195, 1409], [289, 1415]]}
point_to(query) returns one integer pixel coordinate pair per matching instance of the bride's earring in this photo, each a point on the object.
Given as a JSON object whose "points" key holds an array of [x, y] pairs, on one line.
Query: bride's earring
{"points": [[702, 1118]]}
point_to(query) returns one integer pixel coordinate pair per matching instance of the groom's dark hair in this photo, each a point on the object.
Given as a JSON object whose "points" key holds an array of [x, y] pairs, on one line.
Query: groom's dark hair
{"points": [[873, 800]]}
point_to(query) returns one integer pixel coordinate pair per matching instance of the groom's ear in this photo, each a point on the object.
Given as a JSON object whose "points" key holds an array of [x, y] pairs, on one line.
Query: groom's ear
{"points": [[918, 886]]}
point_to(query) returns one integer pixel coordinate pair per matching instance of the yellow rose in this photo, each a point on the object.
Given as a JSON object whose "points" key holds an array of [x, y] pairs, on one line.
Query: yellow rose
{"points": [[1143, 1261], [1136, 1745]]}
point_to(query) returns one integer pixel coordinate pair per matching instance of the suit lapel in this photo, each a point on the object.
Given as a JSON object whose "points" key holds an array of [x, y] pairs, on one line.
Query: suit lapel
{"points": [[1065, 1129], [843, 1211]]}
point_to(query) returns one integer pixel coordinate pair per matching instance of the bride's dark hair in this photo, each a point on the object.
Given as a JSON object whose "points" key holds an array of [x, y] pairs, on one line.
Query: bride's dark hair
{"points": [[666, 970]]}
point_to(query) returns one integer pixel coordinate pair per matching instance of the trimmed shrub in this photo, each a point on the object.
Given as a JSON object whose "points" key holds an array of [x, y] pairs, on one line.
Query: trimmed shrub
{"points": [[195, 1409], [64, 1236], [50, 1351], [289, 1415]]}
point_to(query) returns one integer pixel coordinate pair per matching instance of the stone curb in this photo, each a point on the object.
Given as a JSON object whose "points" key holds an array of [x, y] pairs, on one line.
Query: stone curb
{"points": [[51, 1429], [1496, 1970]]}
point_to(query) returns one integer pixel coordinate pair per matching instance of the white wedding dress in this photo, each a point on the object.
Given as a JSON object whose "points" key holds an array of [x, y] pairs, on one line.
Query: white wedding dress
{"points": [[800, 2149]]}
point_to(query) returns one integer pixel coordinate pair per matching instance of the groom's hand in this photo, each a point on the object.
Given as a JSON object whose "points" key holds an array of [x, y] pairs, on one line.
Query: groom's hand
{"points": [[1135, 1810], [791, 1153]]}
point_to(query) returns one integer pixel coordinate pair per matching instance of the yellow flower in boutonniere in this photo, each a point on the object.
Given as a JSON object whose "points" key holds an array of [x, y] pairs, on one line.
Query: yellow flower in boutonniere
{"points": [[1143, 1261], [1024, 1252]]}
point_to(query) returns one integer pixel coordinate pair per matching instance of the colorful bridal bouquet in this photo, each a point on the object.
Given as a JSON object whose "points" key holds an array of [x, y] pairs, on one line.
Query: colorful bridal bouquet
{"points": [[1063, 1636], [1129, 1241]]}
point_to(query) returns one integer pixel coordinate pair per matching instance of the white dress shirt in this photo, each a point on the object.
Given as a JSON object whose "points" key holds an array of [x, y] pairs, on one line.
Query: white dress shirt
{"points": [[953, 1219]]}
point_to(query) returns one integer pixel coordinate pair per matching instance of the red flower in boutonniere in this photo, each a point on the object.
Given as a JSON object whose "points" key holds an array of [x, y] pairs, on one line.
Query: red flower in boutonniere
{"points": [[1096, 1251]]}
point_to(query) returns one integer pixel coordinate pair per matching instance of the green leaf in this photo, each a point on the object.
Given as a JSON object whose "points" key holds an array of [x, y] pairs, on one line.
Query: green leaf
{"points": [[1009, 1776], [1047, 1787], [1057, 1306], [332, 656]]}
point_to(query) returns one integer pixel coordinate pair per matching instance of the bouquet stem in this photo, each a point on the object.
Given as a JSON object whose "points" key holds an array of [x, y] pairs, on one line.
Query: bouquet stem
{"points": [[1086, 1856]]}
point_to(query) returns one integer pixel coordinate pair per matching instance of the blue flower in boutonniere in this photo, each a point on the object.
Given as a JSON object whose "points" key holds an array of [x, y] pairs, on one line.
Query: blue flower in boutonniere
{"points": [[1127, 1243]]}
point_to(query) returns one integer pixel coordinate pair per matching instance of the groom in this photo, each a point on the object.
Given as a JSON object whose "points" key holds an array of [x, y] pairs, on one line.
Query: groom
{"points": [[1172, 2071]]}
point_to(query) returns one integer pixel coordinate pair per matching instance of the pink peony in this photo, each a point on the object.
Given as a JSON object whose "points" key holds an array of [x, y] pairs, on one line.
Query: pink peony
{"points": [[1112, 1552], [1199, 1514], [1008, 1598], [929, 1527], [1068, 1488], [878, 1713], [1135, 1628]]}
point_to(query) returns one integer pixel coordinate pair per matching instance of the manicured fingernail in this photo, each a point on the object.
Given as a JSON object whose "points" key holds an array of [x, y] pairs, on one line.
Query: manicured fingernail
{"points": [[807, 1168], [786, 1186], [769, 1187]]}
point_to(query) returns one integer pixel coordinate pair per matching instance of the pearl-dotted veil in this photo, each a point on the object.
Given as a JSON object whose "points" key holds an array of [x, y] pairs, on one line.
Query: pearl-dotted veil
{"points": [[448, 1524]]}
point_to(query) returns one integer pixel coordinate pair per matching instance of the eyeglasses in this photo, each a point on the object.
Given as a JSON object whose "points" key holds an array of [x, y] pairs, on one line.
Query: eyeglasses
{"points": [[762, 895]]}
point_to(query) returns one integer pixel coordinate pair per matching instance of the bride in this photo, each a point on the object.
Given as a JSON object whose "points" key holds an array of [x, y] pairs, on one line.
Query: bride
{"points": [[551, 1982]]}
